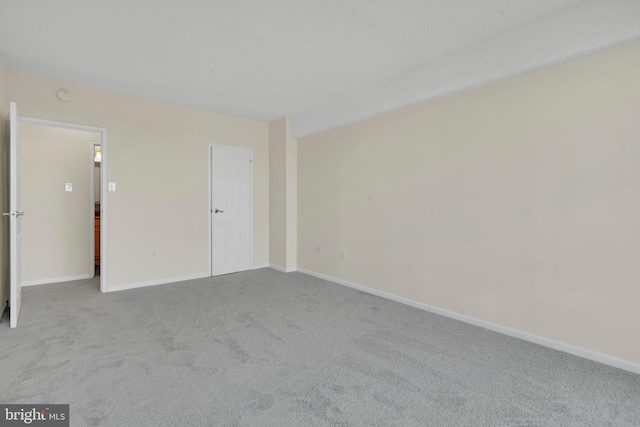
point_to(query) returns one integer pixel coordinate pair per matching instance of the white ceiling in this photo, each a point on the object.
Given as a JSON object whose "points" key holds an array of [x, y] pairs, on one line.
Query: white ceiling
{"points": [[322, 62]]}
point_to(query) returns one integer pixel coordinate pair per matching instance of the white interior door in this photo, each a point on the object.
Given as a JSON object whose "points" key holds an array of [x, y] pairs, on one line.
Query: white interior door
{"points": [[231, 216], [14, 215]]}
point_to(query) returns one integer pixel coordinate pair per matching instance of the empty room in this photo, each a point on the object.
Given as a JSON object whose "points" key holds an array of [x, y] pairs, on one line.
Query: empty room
{"points": [[320, 213]]}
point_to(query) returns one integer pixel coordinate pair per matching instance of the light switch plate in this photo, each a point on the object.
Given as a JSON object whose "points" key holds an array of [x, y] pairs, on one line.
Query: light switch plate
{"points": [[68, 186], [112, 186]]}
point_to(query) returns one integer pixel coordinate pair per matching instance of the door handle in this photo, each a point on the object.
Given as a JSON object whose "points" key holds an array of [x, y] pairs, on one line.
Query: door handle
{"points": [[12, 214], [218, 210]]}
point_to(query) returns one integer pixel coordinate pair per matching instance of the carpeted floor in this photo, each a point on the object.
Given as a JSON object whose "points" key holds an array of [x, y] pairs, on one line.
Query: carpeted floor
{"points": [[263, 348]]}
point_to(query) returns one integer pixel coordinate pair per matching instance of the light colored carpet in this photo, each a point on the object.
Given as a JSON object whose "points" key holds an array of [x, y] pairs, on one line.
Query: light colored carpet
{"points": [[263, 348]]}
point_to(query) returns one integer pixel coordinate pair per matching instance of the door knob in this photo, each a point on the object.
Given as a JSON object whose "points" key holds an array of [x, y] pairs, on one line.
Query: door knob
{"points": [[218, 210]]}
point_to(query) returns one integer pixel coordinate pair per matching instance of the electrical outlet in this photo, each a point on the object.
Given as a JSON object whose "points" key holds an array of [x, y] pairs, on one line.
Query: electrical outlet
{"points": [[343, 254], [319, 249], [154, 253]]}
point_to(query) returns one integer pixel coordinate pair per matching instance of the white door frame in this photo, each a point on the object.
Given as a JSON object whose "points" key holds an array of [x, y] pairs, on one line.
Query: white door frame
{"points": [[210, 151], [103, 184]]}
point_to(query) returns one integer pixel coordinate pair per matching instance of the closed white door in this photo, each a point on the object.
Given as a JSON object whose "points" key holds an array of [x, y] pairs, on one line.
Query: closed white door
{"points": [[15, 216], [231, 240]]}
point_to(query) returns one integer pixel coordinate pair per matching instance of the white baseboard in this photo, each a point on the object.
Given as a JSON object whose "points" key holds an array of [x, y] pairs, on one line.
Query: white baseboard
{"points": [[256, 267], [56, 280], [4, 309], [546, 342], [282, 269], [116, 288]]}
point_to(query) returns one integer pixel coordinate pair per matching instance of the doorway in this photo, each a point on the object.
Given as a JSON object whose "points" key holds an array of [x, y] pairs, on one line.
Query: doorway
{"points": [[95, 162], [230, 209], [69, 195]]}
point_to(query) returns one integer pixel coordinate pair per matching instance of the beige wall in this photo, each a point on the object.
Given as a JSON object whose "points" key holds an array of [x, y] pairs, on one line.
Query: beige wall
{"points": [[516, 203], [277, 192], [57, 226], [283, 216], [158, 157], [4, 194], [291, 189]]}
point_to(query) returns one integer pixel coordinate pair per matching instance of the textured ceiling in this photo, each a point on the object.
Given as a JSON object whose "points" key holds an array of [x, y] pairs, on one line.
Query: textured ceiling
{"points": [[265, 59]]}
